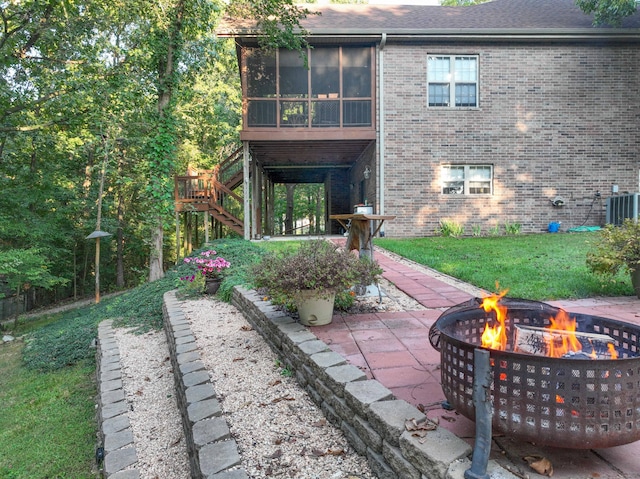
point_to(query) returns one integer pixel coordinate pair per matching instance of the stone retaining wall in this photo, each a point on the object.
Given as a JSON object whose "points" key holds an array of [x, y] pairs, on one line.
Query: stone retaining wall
{"points": [[371, 418], [212, 451], [118, 452]]}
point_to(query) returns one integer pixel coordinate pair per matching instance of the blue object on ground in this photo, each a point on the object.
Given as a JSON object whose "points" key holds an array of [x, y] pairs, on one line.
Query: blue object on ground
{"points": [[554, 227]]}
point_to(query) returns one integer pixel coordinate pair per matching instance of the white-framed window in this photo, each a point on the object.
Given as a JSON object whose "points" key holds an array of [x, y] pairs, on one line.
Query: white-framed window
{"points": [[467, 179], [452, 81]]}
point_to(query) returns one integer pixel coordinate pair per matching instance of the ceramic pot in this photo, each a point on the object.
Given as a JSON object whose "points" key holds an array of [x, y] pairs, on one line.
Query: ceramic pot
{"points": [[315, 307], [211, 285]]}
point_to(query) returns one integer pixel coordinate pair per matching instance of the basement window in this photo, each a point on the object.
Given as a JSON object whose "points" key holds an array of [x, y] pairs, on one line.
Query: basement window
{"points": [[452, 80], [467, 179]]}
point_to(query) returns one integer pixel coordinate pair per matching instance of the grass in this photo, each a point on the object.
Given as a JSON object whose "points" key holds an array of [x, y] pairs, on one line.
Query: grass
{"points": [[537, 266], [47, 427]]}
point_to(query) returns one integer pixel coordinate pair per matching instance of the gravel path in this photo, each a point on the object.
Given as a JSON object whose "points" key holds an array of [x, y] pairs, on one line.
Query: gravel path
{"points": [[280, 432]]}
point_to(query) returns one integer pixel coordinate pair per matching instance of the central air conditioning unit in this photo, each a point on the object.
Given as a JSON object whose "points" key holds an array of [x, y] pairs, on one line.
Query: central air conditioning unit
{"points": [[622, 207]]}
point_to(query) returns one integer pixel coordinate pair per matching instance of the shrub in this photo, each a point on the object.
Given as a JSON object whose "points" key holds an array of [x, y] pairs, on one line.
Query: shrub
{"points": [[317, 264], [512, 228], [450, 228], [617, 248]]}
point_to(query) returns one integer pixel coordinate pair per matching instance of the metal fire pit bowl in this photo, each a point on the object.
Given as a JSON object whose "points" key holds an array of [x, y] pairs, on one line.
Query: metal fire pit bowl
{"points": [[572, 403]]}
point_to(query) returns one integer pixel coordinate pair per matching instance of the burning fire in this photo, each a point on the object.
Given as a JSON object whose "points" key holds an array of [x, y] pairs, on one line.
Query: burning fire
{"points": [[560, 336], [495, 337]]}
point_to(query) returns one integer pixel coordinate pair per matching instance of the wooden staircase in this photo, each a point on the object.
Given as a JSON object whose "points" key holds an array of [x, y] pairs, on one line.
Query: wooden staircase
{"points": [[213, 191]]}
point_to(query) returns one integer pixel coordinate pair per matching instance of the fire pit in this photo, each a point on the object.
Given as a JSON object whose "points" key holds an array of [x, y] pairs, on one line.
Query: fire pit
{"points": [[571, 401]]}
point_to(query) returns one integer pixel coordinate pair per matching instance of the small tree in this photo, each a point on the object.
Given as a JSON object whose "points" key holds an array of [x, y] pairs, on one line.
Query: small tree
{"points": [[24, 269]]}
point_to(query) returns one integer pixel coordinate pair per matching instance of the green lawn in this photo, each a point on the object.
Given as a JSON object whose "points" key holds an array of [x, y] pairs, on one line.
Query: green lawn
{"points": [[47, 426], [536, 266]]}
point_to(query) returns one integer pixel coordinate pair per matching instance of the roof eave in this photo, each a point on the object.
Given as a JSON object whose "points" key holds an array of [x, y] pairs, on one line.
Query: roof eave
{"points": [[403, 35]]}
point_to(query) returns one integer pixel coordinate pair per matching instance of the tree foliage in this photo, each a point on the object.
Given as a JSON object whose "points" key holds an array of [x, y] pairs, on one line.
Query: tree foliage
{"points": [[139, 88], [608, 12]]}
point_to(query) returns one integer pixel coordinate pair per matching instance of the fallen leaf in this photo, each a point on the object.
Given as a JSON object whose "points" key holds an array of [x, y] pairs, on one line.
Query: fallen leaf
{"points": [[283, 398], [245, 327], [426, 425], [275, 382], [276, 454], [336, 452], [238, 359], [320, 423], [540, 464], [318, 452]]}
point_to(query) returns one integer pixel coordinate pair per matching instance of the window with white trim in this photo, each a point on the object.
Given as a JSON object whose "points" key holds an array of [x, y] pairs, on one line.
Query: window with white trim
{"points": [[452, 81], [467, 179]]}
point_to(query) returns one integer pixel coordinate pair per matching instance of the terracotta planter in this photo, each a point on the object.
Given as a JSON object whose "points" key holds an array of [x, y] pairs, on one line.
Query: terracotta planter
{"points": [[315, 307], [212, 285], [635, 281]]}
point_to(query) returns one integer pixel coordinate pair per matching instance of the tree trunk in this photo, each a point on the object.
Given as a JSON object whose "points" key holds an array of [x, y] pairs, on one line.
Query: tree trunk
{"points": [[319, 197], [166, 81], [120, 244], [288, 219], [119, 232], [156, 270]]}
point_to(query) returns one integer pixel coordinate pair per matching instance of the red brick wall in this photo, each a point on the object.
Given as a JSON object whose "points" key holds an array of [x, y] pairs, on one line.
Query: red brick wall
{"points": [[552, 119]]}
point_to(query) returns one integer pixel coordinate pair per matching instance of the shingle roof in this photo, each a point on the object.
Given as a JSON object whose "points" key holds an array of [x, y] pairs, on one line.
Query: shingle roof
{"points": [[496, 15]]}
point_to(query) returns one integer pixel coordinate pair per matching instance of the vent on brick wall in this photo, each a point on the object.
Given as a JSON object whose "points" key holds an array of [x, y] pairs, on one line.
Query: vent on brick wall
{"points": [[621, 207]]}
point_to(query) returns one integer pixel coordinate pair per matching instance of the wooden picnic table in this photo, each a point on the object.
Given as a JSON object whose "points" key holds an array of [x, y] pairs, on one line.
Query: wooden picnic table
{"points": [[361, 230]]}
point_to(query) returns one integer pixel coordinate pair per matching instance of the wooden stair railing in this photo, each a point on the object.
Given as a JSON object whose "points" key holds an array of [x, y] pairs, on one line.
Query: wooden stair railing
{"points": [[210, 191]]}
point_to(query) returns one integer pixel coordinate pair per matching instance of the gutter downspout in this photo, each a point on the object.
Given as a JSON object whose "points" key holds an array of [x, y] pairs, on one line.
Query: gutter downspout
{"points": [[383, 41]]}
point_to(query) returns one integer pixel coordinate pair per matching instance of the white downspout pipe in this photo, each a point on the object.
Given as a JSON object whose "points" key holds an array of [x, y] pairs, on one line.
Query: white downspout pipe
{"points": [[381, 146]]}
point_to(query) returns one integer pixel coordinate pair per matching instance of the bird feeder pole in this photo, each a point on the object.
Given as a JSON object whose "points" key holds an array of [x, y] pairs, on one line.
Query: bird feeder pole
{"points": [[97, 234]]}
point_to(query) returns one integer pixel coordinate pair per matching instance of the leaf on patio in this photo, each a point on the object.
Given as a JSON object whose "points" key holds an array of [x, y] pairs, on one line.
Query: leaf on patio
{"points": [[238, 359], [275, 382], [420, 429], [246, 327], [540, 464]]}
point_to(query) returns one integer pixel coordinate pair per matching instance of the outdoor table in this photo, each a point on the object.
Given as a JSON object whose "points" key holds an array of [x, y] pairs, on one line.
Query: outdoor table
{"points": [[361, 232]]}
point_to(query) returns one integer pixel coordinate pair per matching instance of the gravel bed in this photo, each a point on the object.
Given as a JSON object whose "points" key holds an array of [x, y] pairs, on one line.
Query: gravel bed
{"points": [[147, 380], [280, 432]]}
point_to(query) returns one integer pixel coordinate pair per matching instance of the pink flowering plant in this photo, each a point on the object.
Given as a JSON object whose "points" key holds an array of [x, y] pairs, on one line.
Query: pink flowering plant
{"points": [[208, 263]]}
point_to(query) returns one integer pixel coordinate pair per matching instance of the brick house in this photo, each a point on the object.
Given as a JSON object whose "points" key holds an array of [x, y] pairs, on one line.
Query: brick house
{"points": [[510, 111]]}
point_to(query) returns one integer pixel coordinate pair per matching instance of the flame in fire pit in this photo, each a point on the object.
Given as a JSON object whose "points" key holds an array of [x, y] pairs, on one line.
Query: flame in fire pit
{"points": [[560, 339], [495, 337]]}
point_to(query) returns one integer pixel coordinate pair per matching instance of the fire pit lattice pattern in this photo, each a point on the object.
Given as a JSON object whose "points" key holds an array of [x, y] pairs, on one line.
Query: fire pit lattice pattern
{"points": [[575, 403]]}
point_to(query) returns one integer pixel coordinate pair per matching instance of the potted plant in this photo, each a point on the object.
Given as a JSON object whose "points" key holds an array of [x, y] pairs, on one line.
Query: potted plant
{"points": [[311, 276], [210, 266], [618, 249]]}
